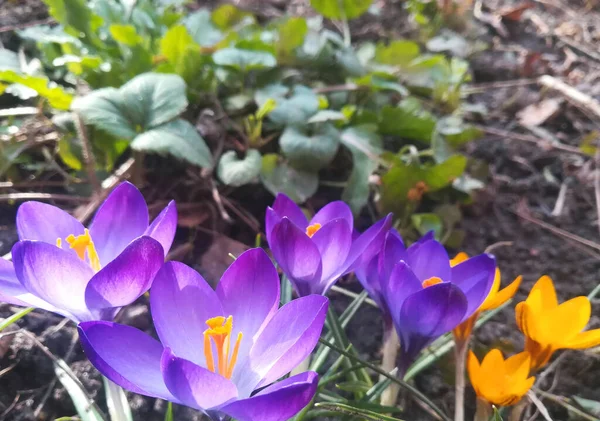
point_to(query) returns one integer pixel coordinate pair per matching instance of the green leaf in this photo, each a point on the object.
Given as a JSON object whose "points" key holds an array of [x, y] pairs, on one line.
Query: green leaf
{"points": [[202, 29], [352, 409], [397, 53], [425, 222], [456, 131], [327, 115], [341, 9], [83, 404], [294, 105], [354, 386], [365, 146], [244, 60], [291, 35], [278, 177], [116, 401], [237, 172], [382, 82], [66, 154], [227, 16], [310, 150], [56, 95], [169, 413], [77, 64], [175, 45], [45, 34], [408, 120], [443, 174], [395, 185], [71, 13], [146, 101], [177, 138], [125, 34]]}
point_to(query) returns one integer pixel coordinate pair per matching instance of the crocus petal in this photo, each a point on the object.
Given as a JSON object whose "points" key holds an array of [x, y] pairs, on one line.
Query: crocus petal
{"points": [[547, 294], [181, 302], [331, 211], [401, 284], [368, 275], [122, 218], [584, 340], [474, 277], [473, 368], [501, 296], [298, 257], [393, 251], [164, 226], [47, 223], [286, 341], [11, 290], [279, 402], [568, 319], [368, 244], [285, 207], [125, 278], [428, 260], [249, 291], [127, 356], [427, 314], [54, 275], [333, 240], [193, 385]]}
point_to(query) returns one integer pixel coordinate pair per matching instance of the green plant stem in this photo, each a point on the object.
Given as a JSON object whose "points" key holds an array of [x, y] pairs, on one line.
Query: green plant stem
{"points": [[594, 292], [15, 317], [483, 411], [516, 412], [349, 410], [460, 356], [392, 378]]}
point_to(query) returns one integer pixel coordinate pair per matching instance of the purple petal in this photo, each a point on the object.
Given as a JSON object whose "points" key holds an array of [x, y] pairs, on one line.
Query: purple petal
{"points": [[11, 290], [181, 302], [393, 252], [47, 223], [298, 257], [475, 277], [122, 218], [331, 211], [333, 241], [164, 226], [286, 341], [368, 244], [428, 260], [426, 315], [127, 277], [193, 385], [54, 275], [279, 402], [284, 206], [249, 291], [430, 235], [271, 219], [126, 356], [368, 275], [399, 286]]}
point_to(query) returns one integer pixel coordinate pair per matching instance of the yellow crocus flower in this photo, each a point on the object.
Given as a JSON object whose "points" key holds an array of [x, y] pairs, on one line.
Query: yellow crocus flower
{"points": [[495, 299], [549, 326], [498, 381]]}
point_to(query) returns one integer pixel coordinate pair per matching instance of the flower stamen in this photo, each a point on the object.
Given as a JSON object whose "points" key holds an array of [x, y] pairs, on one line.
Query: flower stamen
{"points": [[83, 244], [434, 280], [312, 229], [219, 330]]}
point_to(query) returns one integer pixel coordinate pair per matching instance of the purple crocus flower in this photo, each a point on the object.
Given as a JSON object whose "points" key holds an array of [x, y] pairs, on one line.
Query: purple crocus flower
{"points": [[315, 254], [420, 293], [86, 274], [219, 351]]}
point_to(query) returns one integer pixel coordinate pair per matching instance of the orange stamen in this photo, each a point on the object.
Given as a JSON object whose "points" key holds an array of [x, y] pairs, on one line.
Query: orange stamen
{"points": [[83, 244], [312, 229], [219, 330], [434, 280]]}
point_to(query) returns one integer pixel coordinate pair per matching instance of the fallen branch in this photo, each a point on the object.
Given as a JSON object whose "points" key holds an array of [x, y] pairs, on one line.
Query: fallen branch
{"points": [[573, 95]]}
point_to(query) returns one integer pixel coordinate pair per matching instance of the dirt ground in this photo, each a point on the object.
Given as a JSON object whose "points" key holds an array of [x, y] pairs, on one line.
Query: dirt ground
{"points": [[534, 179]]}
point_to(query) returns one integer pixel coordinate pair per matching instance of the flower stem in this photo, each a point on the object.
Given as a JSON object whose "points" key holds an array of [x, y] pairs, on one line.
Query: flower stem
{"points": [[391, 343], [15, 317], [118, 407], [516, 412], [484, 411], [460, 356]]}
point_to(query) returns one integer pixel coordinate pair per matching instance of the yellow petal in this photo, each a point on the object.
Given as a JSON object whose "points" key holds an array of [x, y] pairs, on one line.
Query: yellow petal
{"points": [[459, 258], [567, 320], [473, 368], [545, 287], [523, 387], [517, 367], [501, 296], [492, 369], [540, 353], [528, 321], [585, 340]]}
